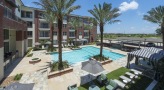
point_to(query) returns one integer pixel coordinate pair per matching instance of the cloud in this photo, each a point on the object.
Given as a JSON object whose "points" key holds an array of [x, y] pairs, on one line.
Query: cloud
{"points": [[124, 6]]}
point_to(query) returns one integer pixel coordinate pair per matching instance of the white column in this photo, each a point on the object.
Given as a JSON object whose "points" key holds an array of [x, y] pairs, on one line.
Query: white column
{"points": [[1, 63]]}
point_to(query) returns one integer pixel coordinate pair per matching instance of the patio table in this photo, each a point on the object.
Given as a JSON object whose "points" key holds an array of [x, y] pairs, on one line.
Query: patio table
{"points": [[94, 87]]}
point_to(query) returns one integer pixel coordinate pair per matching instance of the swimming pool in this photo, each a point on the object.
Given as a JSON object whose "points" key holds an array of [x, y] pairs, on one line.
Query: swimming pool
{"points": [[85, 53]]}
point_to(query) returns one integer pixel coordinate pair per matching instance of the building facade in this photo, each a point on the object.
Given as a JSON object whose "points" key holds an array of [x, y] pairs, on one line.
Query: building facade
{"points": [[21, 27], [39, 29], [13, 33]]}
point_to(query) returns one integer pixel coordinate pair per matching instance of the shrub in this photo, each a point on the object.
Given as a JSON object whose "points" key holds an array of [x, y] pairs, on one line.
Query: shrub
{"points": [[49, 49], [36, 49], [29, 55], [54, 65], [18, 77], [28, 52], [103, 58]]}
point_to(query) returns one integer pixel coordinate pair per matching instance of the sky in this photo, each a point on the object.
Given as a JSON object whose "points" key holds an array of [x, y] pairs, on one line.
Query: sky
{"points": [[131, 17]]}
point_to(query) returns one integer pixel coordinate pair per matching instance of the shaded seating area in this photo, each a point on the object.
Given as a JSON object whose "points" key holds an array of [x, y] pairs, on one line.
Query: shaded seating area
{"points": [[149, 54], [111, 86]]}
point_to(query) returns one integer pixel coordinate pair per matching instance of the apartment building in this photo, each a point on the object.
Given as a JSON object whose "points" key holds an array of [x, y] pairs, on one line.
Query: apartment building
{"points": [[39, 29], [13, 38]]}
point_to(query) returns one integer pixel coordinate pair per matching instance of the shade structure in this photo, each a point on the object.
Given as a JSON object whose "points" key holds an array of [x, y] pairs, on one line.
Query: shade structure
{"points": [[152, 54], [37, 43], [19, 86], [92, 66]]}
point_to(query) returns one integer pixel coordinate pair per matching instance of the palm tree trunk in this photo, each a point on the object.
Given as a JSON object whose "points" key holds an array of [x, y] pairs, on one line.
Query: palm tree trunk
{"points": [[162, 29], [89, 36], [101, 45], [76, 37], [60, 23], [51, 36]]}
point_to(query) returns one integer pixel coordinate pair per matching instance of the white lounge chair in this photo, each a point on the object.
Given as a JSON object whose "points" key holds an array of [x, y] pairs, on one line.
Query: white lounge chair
{"points": [[130, 74], [121, 84], [125, 79], [136, 71], [72, 44], [68, 45]]}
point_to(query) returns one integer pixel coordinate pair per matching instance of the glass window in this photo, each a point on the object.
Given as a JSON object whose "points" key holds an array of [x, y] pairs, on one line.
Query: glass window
{"points": [[55, 33], [25, 14], [72, 34], [44, 25], [29, 24], [65, 33], [29, 42], [6, 34], [64, 25], [86, 34], [56, 25], [6, 47], [29, 33], [44, 33], [80, 33]]}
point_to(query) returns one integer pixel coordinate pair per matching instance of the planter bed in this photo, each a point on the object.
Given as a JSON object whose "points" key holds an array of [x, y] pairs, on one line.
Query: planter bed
{"points": [[59, 73], [105, 62], [34, 60]]}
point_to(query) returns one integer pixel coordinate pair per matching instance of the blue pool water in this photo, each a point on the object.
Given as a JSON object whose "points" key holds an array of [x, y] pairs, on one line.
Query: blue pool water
{"points": [[85, 53]]}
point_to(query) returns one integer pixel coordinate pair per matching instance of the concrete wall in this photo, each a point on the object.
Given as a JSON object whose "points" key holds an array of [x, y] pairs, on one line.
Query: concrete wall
{"points": [[1, 63], [12, 40]]}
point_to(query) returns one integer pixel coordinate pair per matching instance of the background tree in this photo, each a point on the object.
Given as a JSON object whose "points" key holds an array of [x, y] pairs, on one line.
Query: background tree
{"points": [[75, 23], [158, 31], [156, 15], [104, 14], [59, 8]]}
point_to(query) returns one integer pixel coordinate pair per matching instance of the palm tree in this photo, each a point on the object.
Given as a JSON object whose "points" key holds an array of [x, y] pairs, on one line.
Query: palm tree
{"points": [[104, 14], [75, 23], [49, 17], [156, 15], [89, 26], [59, 8]]}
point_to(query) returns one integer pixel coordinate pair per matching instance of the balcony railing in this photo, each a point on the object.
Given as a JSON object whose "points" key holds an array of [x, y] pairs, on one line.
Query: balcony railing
{"points": [[12, 16]]}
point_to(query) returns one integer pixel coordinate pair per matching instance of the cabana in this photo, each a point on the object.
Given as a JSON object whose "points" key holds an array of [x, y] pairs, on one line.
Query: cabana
{"points": [[153, 55]]}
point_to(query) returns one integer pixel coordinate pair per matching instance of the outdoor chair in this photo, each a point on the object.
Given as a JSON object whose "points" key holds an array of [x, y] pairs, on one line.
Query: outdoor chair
{"points": [[93, 87], [119, 83], [111, 86], [102, 79], [73, 87], [125, 79]]}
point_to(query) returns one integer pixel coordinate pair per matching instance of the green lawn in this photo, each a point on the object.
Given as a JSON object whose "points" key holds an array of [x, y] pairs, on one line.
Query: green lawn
{"points": [[139, 85]]}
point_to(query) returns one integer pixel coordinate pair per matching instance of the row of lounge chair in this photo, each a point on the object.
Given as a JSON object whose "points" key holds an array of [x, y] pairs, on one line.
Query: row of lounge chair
{"points": [[112, 84]]}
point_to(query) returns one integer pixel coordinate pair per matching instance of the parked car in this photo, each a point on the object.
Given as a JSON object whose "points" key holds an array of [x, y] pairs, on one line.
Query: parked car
{"points": [[150, 44]]}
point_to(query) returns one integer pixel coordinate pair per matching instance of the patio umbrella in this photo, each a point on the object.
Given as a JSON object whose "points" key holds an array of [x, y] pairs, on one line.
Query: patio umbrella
{"points": [[37, 43], [19, 86], [92, 66], [48, 42]]}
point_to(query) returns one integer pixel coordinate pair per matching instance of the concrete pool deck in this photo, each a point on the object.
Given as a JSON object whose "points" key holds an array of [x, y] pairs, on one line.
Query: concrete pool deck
{"points": [[31, 72]]}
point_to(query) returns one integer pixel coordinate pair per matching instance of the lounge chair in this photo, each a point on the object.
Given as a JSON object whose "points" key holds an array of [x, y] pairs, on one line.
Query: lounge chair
{"points": [[121, 84], [136, 71], [130, 74], [112, 85], [73, 87], [69, 45], [72, 44], [102, 79], [94, 87], [125, 79]]}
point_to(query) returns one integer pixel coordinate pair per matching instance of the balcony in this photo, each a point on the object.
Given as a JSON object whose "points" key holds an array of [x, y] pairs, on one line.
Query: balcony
{"points": [[11, 2]]}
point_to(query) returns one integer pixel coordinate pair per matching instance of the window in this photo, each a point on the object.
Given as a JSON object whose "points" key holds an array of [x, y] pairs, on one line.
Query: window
{"points": [[71, 28], [29, 24], [44, 25], [29, 33], [80, 33], [72, 34], [86, 34], [64, 25], [6, 47], [55, 33], [56, 25], [7, 12], [64, 33], [18, 8], [41, 15], [29, 42], [26, 14], [6, 34], [44, 33], [65, 18]]}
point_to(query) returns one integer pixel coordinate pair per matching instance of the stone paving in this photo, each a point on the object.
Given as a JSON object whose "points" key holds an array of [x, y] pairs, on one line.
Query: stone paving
{"points": [[32, 72]]}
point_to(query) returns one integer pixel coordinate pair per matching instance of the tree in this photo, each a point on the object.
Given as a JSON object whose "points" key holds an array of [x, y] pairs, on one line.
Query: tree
{"points": [[156, 15], [104, 14], [59, 8], [75, 23], [158, 31], [89, 26]]}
